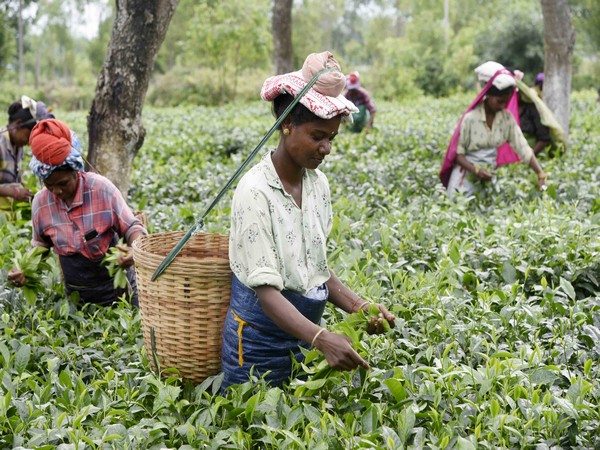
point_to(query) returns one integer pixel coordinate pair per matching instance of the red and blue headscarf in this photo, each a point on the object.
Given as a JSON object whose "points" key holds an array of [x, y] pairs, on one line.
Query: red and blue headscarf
{"points": [[54, 145]]}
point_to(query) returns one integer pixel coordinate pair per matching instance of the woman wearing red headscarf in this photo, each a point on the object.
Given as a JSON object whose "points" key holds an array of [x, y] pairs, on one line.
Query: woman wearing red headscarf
{"points": [[79, 214], [365, 117]]}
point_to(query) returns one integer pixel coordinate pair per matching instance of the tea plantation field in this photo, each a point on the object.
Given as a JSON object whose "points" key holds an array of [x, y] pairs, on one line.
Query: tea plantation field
{"points": [[497, 343]]}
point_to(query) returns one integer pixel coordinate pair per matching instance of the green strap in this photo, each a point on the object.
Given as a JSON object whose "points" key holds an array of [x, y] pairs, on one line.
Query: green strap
{"points": [[200, 223]]}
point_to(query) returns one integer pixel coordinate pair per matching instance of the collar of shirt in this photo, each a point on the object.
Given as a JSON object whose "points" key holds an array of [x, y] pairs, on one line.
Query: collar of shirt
{"points": [[479, 110], [78, 198], [275, 182]]}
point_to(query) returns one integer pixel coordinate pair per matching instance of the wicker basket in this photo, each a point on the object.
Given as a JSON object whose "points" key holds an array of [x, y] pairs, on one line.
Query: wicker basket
{"points": [[184, 309]]}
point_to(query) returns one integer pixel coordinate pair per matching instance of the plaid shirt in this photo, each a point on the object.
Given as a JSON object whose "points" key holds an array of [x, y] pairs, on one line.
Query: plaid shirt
{"points": [[97, 208], [10, 160]]}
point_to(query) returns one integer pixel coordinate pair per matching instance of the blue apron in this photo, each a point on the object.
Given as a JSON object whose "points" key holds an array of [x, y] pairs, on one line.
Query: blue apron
{"points": [[252, 341]]}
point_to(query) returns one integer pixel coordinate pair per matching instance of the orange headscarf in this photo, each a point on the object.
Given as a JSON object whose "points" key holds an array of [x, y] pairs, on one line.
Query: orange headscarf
{"points": [[50, 142]]}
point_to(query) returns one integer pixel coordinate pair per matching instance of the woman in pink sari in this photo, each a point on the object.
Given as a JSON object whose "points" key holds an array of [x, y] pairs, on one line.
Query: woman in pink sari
{"points": [[488, 135]]}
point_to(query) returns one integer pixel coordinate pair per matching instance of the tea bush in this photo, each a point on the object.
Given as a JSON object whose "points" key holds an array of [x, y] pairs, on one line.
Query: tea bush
{"points": [[497, 342]]}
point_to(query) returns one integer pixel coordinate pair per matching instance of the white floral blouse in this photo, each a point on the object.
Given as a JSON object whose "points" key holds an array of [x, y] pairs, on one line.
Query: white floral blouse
{"points": [[476, 135], [274, 242]]}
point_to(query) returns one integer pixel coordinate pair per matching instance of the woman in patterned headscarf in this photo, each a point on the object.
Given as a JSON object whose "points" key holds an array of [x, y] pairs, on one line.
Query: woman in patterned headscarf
{"points": [[80, 215], [280, 217], [488, 135]]}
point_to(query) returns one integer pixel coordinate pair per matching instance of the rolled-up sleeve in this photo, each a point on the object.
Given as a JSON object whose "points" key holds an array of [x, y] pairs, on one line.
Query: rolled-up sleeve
{"points": [[253, 253], [464, 136], [125, 220], [37, 239]]}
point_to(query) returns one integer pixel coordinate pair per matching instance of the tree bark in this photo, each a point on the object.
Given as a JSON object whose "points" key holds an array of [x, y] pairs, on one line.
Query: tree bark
{"points": [[559, 41], [115, 127], [282, 35], [20, 32]]}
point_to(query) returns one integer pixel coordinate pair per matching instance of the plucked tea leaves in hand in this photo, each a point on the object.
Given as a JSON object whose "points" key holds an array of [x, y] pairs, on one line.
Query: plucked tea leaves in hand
{"points": [[111, 261], [33, 264]]}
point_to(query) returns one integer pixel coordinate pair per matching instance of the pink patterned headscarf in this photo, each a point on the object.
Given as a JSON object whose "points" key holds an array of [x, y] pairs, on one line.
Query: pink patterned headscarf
{"points": [[506, 154], [324, 98]]}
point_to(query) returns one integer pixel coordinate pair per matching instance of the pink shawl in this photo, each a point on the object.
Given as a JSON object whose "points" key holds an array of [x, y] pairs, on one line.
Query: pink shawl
{"points": [[506, 154]]}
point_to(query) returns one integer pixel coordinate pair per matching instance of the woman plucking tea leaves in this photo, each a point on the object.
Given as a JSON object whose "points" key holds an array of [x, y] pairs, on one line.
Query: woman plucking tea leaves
{"points": [[22, 117], [80, 214], [281, 215], [487, 136]]}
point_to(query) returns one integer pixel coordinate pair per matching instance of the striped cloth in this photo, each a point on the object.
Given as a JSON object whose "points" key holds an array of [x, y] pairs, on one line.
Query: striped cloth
{"points": [[322, 106], [10, 160]]}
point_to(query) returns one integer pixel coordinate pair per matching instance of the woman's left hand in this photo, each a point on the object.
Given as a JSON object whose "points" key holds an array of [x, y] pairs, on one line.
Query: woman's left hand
{"points": [[376, 321], [126, 256]]}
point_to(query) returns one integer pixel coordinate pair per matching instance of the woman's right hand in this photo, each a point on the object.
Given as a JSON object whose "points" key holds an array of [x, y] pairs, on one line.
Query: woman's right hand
{"points": [[338, 352], [126, 256], [16, 277]]}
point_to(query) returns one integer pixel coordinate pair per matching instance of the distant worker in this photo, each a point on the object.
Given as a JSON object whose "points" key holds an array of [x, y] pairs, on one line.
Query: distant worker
{"points": [[361, 98], [539, 83], [22, 117], [538, 124], [81, 215], [487, 136]]}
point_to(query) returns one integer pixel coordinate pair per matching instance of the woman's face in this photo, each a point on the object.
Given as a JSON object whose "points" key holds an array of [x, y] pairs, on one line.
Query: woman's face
{"points": [[63, 184], [309, 143], [19, 135], [498, 103]]}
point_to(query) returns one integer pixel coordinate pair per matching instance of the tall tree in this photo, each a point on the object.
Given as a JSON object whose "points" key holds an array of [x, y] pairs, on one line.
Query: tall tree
{"points": [[234, 37], [282, 35], [7, 44], [21, 36], [559, 41], [587, 20], [172, 49], [515, 40], [115, 127]]}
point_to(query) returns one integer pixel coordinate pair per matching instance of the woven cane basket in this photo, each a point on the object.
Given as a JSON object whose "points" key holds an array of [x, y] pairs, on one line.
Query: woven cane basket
{"points": [[184, 309]]}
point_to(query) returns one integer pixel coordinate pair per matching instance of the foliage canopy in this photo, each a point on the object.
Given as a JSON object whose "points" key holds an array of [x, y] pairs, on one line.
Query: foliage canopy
{"points": [[219, 52]]}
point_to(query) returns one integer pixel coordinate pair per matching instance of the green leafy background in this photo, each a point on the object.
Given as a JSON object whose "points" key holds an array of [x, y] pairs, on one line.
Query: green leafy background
{"points": [[497, 341]]}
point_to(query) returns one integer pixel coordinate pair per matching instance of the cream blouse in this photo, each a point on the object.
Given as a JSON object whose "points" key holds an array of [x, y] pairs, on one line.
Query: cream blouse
{"points": [[272, 240], [476, 135]]}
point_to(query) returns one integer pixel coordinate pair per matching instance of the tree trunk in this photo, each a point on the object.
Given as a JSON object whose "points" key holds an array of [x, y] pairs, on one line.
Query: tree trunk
{"points": [[559, 40], [37, 68], [447, 20], [115, 125], [20, 43], [282, 35]]}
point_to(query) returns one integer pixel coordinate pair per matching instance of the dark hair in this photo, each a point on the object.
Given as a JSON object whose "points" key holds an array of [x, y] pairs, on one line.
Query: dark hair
{"points": [[493, 91], [64, 168], [298, 115], [17, 112]]}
